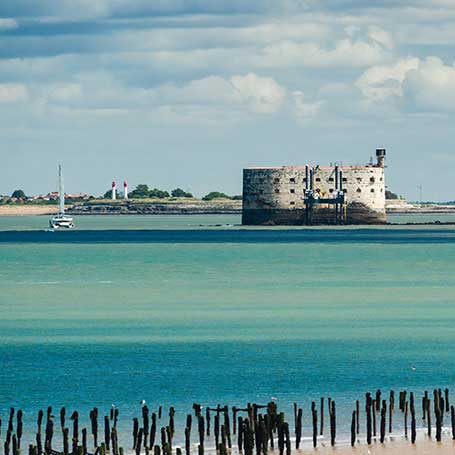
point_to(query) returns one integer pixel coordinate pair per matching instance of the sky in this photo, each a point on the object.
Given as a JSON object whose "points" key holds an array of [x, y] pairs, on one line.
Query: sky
{"points": [[186, 93]]}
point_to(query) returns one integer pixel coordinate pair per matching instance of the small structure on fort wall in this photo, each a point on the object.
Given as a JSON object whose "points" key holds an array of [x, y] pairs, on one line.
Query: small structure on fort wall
{"points": [[305, 195]]}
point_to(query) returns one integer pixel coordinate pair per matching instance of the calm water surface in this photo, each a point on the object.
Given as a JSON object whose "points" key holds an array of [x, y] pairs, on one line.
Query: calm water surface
{"points": [[229, 319]]}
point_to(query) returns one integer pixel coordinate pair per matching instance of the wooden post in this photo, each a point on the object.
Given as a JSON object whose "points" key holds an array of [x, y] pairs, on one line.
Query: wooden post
{"points": [[227, 427], [333, 424], [314, 415], [234, 420], [298, 430], [139, 441], [107, 433], [424, 404], [19, 429], [383, 417], [240, 434], [413, 425], [357, 416], [84, 441], [40, 420], [145, 423], [75, 418], [94, 426], [62, 417], [368, 407], [374, 417], [201, 431], [353, 428], [135, 431], [287, 438], [187, 441], [446, 394], [428, 414], [49, 433], [406, 420], [216, 430], [438, 424], [171, 420], [321, 431], [39, 445], [391, 404], [207, 419], [65, 441], [153, 431], [378, 400], [452, 419]]}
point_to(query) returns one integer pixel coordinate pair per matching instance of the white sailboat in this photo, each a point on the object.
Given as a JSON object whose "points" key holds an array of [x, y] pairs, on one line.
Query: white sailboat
{"points": [[61, 220]]}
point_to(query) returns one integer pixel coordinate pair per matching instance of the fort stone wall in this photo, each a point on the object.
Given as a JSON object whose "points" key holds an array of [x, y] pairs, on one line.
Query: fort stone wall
{"points": [[276, 195]]}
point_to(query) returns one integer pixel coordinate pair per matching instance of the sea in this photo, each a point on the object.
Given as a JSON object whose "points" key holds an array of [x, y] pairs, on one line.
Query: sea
{"points": [[176, 310]]}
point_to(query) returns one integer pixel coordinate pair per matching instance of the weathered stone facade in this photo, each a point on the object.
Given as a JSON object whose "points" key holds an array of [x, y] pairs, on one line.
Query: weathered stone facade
{"points": [[276, 195]]}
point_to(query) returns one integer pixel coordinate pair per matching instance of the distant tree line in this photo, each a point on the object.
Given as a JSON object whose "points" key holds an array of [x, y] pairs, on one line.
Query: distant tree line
{"points": [[142, 191]]}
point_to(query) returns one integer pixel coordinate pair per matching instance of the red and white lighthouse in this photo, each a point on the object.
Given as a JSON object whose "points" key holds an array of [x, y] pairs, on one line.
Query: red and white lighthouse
{"points": [[125, 190], [114, 191]]}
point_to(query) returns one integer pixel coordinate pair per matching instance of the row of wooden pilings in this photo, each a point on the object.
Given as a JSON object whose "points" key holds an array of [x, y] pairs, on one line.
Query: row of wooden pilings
{"points": [[255, 429]]}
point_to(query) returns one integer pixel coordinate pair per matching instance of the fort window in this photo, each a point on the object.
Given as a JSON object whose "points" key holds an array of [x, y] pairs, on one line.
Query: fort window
{"points": [[292, 190], [359, 179], [261, 180], [345, 179], [277, 190], [292, 180], [345, 191], [304, 179], [331, 190], [372, 179], [331, 179], [318, 179], [372, 190], [292, 203], [359, 190], [276, 180]]}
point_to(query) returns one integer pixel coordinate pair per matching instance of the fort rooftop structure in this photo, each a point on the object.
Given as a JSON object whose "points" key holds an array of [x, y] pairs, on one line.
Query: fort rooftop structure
{"points": [[305, 195]]}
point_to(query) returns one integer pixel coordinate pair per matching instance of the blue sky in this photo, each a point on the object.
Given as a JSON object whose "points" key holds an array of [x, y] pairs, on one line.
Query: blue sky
{"points": [[188, 92]]}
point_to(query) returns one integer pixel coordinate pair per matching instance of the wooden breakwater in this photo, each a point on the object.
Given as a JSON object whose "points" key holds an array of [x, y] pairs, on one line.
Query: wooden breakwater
{"points": [[254, 429]]}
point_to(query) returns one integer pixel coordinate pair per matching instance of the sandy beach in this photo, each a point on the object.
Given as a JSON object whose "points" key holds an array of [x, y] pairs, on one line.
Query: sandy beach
{"points": [[422, 447], [27, 210]]}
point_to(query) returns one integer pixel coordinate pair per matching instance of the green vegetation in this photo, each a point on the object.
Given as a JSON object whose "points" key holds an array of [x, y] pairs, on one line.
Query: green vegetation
{"points": [[107, 194], [18, 194], [390, 195], [156, 193], [215, 195], [178, 192], [142, 190]]}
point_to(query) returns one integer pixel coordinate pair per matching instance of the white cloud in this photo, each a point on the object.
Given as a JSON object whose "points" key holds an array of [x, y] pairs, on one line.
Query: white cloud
{"points": [[305, 111], [65, 92], [381, 82], [431, 86], [346, 53], [262, 94], [380, 36], [417, 85], [13, 93]]}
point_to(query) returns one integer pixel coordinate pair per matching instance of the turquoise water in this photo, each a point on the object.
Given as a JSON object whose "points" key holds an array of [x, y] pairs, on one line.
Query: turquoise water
{"points": [[229, 319]]}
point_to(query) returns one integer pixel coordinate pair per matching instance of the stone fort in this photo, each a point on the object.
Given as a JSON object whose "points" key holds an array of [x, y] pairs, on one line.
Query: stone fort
{"points": [[306, 195]]}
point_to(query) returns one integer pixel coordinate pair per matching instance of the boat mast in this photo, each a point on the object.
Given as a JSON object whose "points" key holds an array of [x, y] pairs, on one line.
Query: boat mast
{"points": [[61, 194]]}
